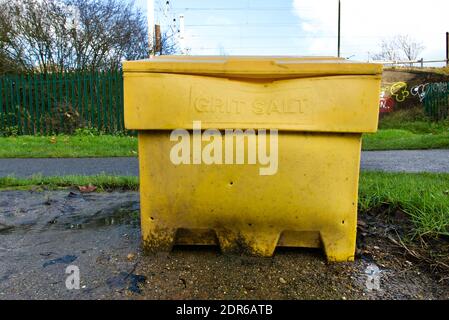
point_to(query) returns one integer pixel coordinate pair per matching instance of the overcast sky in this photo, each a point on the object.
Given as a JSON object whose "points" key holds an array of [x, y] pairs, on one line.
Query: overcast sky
{"points": [[309, 27]]}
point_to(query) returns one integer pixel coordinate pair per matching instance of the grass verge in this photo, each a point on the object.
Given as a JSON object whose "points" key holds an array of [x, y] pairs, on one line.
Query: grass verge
{"points": [[408, 129], [123, 146], [76, 146], [424, 197], [102, 182], [399, 139]]}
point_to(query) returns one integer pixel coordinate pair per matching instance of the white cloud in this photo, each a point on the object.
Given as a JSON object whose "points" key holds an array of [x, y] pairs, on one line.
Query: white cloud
{"points": [[366, 22]]}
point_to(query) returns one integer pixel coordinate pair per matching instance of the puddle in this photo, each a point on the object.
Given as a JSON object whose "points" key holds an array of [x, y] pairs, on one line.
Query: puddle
{"points": [[62, 260], [43, 232], [74, 195], [5, 228], [121, 216], [70, 220], [128, 281], [23, 227]]}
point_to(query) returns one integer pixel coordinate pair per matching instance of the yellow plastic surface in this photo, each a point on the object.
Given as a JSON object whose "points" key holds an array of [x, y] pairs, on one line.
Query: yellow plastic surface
{"points": [[253, 67], [312, 199]]}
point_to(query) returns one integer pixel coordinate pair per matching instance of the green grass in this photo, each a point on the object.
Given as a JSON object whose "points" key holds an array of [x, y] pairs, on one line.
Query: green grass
{"points": [[67, 146], [413, 120], [424, 197], [102, 182], [117, 146], [408, 130], [398, 139]]}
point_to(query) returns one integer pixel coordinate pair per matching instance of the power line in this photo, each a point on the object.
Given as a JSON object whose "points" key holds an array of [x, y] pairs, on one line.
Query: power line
{"points": [[249, 24], [235, 48], [258, 37], [241, 9], [168, 11], [273, 36], [268, 47], [245, 25]]}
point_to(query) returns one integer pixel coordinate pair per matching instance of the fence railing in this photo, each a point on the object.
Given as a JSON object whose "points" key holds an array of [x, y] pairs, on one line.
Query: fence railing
{"points": [[61, 102], [436, 100], [411, 63]]}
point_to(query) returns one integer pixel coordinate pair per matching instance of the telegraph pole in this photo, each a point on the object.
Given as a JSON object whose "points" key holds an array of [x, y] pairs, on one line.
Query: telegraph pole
{"points": [[151, 26], [447, 48], [339, 27], [158, 40]]}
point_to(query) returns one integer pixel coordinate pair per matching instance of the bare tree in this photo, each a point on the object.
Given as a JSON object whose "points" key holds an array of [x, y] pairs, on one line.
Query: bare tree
{"points": [[400, 47], [169, 44], [409, 47], [58, 35], [389, 51]]}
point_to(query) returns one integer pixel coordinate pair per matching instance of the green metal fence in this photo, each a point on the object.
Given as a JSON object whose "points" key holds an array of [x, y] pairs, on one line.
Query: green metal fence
{"points": [[61, 102], [436, 100]]}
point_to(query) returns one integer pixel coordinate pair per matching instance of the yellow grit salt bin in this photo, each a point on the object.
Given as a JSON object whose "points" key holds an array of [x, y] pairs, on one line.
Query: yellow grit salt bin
{"points": [[320, 106]]}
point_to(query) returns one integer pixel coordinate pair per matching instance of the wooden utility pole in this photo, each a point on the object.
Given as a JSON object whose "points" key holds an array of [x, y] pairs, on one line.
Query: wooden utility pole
{"points": [[447, 48], [158, 39], [151, 24], [339, 26]]}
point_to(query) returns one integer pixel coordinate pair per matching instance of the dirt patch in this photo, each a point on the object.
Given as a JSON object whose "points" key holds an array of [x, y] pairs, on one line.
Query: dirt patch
{"points": [[204, 273], [394, 230], [41, 233]]}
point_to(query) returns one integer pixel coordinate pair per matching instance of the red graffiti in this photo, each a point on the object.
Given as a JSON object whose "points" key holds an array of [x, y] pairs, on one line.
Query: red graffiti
{"points": [[386, 104]]}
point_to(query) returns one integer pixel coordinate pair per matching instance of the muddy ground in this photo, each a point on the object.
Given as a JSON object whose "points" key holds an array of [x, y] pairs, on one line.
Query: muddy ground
{"points": [[43, 232]]}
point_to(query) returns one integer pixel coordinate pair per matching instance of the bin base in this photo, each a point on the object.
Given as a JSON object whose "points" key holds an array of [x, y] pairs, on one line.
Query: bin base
{"points": [[310, 202], [337, 248]]}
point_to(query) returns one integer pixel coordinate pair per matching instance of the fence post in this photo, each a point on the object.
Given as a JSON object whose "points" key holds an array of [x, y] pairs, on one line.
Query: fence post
{"points": [[17, 101], [52, 107], [42, 87], [2, 109], [121, 101], [91, 93]]}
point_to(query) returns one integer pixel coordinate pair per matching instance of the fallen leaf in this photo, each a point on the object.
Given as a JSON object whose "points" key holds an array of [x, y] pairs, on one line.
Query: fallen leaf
{"points": [[87, 189]]}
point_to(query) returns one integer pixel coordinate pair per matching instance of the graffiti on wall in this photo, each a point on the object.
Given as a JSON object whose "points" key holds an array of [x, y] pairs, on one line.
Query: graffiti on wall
{"points": [[419, 91], [386, 104], [399, 92]]}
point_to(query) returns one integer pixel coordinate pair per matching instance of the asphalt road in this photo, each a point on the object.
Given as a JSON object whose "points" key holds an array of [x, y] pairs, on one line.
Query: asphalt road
{"points": [[392, 161], [69, 166], [406, 160]]}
